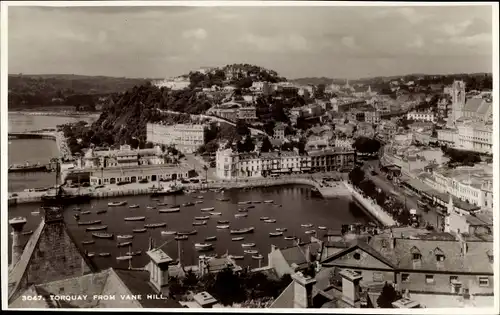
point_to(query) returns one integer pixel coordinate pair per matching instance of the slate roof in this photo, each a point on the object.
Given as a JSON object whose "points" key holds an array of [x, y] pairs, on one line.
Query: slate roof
{"points": [[473, 104], [295, 255]]}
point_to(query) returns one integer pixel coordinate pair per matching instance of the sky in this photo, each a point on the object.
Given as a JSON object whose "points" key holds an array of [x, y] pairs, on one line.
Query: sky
{"points": [[336, 42]]}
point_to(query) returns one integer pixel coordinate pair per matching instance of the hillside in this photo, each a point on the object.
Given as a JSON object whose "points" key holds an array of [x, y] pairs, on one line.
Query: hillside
{"points": [[39, 91]]}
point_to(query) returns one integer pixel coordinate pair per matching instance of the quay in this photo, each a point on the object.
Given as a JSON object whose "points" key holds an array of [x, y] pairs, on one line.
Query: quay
{"points": [[334, 190]]}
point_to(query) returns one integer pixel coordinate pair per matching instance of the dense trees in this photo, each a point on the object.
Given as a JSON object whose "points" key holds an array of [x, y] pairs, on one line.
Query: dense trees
{"points": [[266, 145], [461, 157], [388, 295], [366, 145]]}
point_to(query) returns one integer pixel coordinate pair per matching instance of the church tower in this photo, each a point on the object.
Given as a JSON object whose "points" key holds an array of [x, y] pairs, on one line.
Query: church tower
{"points": [[458, 101]]}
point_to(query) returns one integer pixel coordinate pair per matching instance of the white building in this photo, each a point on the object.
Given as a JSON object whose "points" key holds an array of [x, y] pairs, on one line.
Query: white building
{"points": [[421, 116], [186, 138], [475, 136], [122, 157], [178, 83]]}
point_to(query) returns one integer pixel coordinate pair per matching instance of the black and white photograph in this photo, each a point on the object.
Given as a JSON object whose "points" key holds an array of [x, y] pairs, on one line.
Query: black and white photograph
{"points": [[234, 155]]}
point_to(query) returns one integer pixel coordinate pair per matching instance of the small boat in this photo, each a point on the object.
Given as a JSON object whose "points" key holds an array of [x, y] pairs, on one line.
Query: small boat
{"points": [[202, 218], [77, 209], [248, 245], [210, 238], [168, 232], [103, 235], [235, 257], [77, 216], [270, 221], [264, 218], [268, 201], [134, 206], [181, 237], [155, 199], [188, 204], [155, 225], [207, 209], [162, 204], [241, 215], [88, 242], [125, 237], [223, 199], [101, 211], [281, 229], [139, 230], [306, 225], [117, 203], [121, 258], [258, 257], [235, 239], [242, 210], [104, 254], [203, 246], [97, 228], [89, 222], [85, 212], [256, 201], [198, 201], [250, 207], [142, 218], [274, 234], [193, 232], [169, 210], [250, 251], [321, 227], [150, 207], [244, 202], [278, 206], [204, 222], [290, 237], [124, 244], [223, 221], [243, 231], [221, 227], [27, 232], [215, 213], [90, 254], [199, 197], [310, 232], [136, 253]]}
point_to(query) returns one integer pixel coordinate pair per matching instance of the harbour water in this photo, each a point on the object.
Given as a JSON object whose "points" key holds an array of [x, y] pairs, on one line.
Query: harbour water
{"points": [[298, 206]]}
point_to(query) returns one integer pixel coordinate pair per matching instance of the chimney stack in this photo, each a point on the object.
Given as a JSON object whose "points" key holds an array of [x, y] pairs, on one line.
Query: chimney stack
{"points": [[205, 299], [303, 287], [350, 286], [158, 276], [17, 225]]}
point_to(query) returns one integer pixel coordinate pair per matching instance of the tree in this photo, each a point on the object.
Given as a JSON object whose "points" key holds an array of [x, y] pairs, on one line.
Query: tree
{"points": [[387, 296], [242, 128], [356, 176], [366, 145], [266, 145], [205, 168], [228, 288]]}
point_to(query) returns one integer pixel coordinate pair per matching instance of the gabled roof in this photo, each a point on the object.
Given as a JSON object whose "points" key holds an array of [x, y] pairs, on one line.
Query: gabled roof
{"points": [[296, 254], [364, 247], [473, 104]]}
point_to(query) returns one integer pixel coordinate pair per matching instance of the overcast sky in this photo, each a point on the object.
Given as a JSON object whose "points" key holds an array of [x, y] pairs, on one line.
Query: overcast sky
{"points": [[341, 42]]}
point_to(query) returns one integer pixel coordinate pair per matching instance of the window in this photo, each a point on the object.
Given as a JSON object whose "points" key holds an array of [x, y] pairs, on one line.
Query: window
{"points": [[429, 279], [357, 256], [484, 281], [416, 256], [453, 279], [439, 257], [405, 277], [378, 277]]}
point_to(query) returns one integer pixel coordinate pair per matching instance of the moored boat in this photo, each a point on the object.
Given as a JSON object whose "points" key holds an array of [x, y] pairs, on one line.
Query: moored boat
{"points": [[97, 228], [244, 202], [248, 245], [90, 254], [169, 210], [188, 204], [202, 218], [215, 213], [101, 211], [274, 234], [258, 257], [223, 199], [281, 229], [306, 225], [117, 203], [199, 197], [35, 212], [103, 235], [198, 201], [85, 212], [134, 206], [150, 207], [135, 253], [223, 221], [123, 244], [210, 238], [88, 242], [256, 201], [310, 232], [222, 227], [139, 230], [89, 222], [250, 251], [289, 237], [155, 225], [140, 218], [241, 215], [204, 222], [242, 210], [321, 227], [270, 221], [168, 232], [174, 190], [243, 231], [203, 246], [193, 232], [121, 258], [236, 257], [235, 239], [181, 237], [207, 209], [264, 218], [268, 201], [125, 237]]}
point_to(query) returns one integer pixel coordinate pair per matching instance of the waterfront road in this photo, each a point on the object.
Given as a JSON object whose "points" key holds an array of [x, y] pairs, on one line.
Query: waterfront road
{"points": [[197, 163], [402, 194]]}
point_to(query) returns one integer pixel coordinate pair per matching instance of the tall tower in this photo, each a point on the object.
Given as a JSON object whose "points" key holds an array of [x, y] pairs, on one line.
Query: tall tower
{"points": [[17, 225], [458, 100]]}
